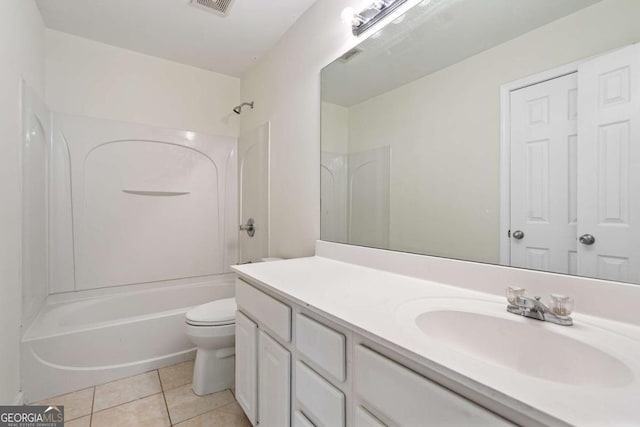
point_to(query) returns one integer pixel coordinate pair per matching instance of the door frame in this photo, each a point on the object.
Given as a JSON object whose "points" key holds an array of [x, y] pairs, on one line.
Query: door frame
{"points": [[505, 147]]}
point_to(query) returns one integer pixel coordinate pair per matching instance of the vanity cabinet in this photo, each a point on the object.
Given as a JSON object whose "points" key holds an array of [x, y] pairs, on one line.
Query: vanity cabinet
{"points": [[300, 420], [363, 418], [274, 382], [401, 397], [323, 346], [318, 398], [294, 367], [247, 366], [263, 365]]}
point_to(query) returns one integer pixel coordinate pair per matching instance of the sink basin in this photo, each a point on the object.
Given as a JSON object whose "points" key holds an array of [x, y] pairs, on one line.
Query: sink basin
{"points": [[483, 330]]}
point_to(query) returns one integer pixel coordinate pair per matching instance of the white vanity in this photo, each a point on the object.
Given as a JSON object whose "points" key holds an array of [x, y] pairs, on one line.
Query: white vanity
{"points": [[330, 341]]}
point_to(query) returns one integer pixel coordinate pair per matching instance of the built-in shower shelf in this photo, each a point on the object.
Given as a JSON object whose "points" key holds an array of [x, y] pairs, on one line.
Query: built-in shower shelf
{"points": [[156, 193]]}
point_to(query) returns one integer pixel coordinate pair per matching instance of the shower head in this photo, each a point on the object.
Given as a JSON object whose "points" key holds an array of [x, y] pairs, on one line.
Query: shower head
{"points": [[238, 108]]}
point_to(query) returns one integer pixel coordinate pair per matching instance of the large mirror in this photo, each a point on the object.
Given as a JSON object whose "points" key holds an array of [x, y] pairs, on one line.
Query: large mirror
{"points": [[498, 131]]}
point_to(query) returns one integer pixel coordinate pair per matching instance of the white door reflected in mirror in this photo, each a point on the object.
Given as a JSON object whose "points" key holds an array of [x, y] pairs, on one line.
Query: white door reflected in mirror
{"points": [[563, 203]]}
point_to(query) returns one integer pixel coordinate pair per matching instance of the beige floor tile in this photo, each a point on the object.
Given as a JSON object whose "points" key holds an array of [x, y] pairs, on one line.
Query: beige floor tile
{"points": [[148, 412], [176, 375], [76, 404], [226, 416], [233, 408], [126, 390], [184, 403], [79, 422]]}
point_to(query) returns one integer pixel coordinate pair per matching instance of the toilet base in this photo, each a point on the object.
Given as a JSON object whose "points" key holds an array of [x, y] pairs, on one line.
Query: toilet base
{"points": [[214, 370]]}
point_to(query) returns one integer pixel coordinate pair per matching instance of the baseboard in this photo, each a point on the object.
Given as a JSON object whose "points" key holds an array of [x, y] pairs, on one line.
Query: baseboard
{"points": [[19, 400]]}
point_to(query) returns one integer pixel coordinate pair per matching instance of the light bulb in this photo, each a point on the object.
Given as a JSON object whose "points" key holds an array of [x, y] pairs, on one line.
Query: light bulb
{"points": [[380, 4], [350, 16], [347, 15]]}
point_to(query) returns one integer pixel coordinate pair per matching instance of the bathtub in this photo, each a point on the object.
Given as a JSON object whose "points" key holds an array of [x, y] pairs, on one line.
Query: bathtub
{"points": [[85, 339]]}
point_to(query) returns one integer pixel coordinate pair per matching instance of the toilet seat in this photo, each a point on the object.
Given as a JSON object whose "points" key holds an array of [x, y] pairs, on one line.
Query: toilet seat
{"points": [[216, 313]]}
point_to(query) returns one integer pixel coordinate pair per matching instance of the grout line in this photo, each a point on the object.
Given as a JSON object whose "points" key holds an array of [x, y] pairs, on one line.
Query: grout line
{"points": [[164, 398], [126, 403], [210, 410], [160, 379], [162, 390], [228, 404], [93, 402]]}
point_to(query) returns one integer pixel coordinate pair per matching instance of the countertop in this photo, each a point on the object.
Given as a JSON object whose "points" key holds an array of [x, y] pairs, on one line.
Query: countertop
{"points": [[372, 302]]}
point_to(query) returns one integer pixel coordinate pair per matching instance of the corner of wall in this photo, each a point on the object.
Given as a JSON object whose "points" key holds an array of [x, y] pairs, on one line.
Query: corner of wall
{"points": [[21, 58]]}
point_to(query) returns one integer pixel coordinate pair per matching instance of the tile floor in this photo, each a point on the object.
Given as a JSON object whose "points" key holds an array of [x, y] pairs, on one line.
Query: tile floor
{"points": [[156, 399]]}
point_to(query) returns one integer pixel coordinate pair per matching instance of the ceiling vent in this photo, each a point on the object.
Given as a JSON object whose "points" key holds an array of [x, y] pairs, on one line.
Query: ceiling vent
{"points": [[350, 54], [219, 7]]}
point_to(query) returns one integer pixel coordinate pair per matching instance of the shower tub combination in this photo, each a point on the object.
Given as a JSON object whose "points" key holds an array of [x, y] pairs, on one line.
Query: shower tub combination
{"points": [[142, 226], [81, 342]]}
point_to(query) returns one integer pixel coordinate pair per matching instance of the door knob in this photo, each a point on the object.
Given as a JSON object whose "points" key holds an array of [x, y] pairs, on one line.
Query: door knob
{"points": [[587, 239], [249, 227], [518, 234]]}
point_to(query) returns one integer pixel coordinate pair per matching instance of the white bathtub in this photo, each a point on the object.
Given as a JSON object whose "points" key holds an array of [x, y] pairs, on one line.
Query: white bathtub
{"points": [[85, 341]]}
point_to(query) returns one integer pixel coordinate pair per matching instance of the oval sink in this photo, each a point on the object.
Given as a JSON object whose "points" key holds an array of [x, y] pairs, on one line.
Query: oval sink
{"points": [[528, 346]]}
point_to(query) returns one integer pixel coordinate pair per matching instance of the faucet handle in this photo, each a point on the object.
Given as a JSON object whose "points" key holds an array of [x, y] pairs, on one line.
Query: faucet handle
{"points": [[513, 292], [561, 305]]}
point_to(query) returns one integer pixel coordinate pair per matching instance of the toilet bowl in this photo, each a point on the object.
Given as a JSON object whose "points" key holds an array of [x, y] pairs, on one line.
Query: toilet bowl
{"points": [[211, 327]]}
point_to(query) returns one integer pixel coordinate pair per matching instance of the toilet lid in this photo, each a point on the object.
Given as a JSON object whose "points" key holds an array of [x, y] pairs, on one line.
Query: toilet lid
{"points": [[219, 312]]}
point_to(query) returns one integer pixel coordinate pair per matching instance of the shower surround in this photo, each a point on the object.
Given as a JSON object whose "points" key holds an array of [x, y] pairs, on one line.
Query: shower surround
{"points": [[141, 227]]}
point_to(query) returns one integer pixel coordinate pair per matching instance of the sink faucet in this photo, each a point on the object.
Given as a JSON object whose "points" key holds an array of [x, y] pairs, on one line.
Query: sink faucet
{"points": [[536, 309]]}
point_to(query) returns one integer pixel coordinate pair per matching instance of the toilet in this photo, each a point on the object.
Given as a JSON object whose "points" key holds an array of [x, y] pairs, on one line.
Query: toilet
{"points": [[211, 327]]}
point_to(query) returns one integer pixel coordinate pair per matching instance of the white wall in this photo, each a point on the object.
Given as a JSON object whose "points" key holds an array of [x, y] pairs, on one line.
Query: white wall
{"points": [[21, 56], [92, 79], [334, 132], [334, 143], [285, 84], [445, 128], [35, 146]]}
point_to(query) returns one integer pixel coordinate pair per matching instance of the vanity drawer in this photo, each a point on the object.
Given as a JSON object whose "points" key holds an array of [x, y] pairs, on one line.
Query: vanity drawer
{"points": [[323, 403], [266, 310], [322, 345], [364, 419], [409, 399], [299, 420]]}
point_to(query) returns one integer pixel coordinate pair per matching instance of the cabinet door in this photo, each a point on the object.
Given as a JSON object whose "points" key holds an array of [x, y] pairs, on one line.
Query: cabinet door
{"points": [[364, 419], [246, 366], [274, 383]]}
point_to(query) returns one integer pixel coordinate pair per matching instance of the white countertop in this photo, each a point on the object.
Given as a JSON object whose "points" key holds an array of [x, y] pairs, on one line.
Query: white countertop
{"points": [[369, 301]]}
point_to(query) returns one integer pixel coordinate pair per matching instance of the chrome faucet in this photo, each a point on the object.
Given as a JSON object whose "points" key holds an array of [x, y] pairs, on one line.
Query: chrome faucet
{"points": [[536, 309]]}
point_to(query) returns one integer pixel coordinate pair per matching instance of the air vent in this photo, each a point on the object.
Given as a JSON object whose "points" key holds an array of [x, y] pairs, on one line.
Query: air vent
{"points": [[349, 55], [219, 7]]}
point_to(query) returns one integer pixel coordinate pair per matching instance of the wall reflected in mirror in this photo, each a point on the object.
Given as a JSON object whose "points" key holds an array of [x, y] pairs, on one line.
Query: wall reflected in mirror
{"points": [[502, 131]]}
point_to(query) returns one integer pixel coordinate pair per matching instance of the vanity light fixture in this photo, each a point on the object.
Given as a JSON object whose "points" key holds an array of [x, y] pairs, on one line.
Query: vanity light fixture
{"points": [[369, 16]]}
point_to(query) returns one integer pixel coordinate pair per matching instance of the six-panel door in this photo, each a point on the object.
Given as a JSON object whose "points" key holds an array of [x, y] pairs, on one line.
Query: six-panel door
{"points": [[609, 166], [543, 176]]}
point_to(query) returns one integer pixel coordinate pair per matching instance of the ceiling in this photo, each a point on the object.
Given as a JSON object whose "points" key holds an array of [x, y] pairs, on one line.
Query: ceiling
{"points": [[174, 30], [432, 36]]}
